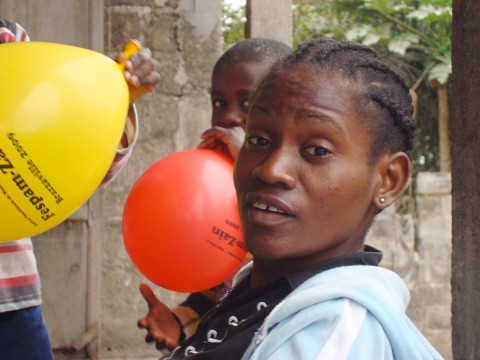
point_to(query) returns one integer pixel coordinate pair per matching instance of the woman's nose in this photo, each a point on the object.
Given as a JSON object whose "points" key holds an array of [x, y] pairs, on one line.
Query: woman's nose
{"points": [[277, 168]]}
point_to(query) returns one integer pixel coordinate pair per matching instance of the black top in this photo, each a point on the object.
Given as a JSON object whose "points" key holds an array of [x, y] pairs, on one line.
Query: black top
{"points": [[226, 330]]}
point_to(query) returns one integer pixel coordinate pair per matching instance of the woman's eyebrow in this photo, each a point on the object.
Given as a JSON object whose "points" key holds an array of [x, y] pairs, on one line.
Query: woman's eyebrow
{"points": [[321, 117]]}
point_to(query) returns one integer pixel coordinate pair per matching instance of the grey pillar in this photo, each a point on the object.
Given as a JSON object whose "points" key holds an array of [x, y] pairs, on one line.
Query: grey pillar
{"points": [[271, 19]]}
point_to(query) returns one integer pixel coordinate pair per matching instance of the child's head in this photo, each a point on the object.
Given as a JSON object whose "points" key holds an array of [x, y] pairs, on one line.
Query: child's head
{"points": [[235, 76], [327, 143]]}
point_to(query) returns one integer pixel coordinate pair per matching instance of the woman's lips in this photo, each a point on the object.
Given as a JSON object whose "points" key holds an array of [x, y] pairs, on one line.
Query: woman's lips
{"points": [[262, 206], [267, 210]]}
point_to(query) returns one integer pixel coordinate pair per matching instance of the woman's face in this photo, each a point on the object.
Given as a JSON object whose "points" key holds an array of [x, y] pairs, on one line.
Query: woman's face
{"points": [[304, 184]]}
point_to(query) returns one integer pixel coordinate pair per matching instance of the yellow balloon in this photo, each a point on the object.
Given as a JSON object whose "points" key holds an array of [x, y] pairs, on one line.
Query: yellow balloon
{"points": [[62, 113]]}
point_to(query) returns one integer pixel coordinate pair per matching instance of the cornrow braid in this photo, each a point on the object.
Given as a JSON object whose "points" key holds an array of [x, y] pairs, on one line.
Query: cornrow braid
{"points": [[379, 87], [398, 105]]}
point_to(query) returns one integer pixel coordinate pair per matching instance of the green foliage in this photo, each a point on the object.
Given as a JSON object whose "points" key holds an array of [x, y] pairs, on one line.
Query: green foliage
{"points": [[233, 25]]}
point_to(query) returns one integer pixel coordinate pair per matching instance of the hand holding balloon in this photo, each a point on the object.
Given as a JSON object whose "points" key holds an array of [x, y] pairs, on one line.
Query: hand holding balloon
{"points": [[229, 140], [140, 70]]}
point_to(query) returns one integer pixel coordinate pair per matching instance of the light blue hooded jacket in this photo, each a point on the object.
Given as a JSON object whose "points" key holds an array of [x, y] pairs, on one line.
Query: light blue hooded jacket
{"points": [[346, 313]]}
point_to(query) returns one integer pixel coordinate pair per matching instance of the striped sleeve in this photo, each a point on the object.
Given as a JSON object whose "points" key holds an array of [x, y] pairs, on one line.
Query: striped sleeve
{"points": [[12, 32], [125, 148], [19, 280], [345, 332]]}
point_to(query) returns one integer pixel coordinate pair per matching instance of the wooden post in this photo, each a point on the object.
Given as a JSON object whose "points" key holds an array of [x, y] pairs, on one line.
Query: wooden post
{"points": [[464, 136]]}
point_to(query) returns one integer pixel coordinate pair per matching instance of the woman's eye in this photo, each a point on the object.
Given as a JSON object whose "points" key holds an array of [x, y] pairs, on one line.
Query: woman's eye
{"points": [[219, 103], [258, 141], [317, 151]]}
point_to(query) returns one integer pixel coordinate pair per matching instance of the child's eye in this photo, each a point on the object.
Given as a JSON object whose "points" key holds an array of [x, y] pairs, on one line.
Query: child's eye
{"points": [[317, 151], [245, 104], [219, 103], [257, 141]]}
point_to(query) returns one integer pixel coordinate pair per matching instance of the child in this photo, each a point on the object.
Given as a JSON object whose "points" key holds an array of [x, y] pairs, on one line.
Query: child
{"points": [[234, 78], [327, 147], [23, 334]]}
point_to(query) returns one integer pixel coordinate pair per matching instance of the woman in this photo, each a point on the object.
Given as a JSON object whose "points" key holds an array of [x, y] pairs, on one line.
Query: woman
{"points": [[327, 147]]}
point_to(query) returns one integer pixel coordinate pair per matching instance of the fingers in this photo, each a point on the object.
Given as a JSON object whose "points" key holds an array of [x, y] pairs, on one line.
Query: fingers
{"points": [[224, 134], [215, 132], [160, 346], [141, 324], [148, 295], [229, 140], [169, 343], [149, 339], [209, 143], [160, 323], [213, 138], [149, 80], [141, 69], [161, 341]]}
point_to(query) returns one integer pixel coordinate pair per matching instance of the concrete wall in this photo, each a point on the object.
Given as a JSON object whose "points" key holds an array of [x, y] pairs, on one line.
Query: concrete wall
{"points": [[185, 38], [271, 19]]}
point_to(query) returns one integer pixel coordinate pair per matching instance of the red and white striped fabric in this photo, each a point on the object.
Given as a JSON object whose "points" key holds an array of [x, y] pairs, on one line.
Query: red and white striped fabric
{"points": [[11, 32], [19, 280]]}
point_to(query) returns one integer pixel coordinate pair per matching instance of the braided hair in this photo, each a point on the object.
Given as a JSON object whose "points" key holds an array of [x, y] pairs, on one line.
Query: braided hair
{"points": [[379, 88]]}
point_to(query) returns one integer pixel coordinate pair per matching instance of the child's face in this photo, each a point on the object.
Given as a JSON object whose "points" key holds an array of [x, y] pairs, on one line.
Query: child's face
{"points": [[232, 85], [304, 184]]}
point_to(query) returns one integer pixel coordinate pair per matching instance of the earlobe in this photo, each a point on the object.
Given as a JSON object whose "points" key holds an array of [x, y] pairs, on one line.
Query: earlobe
{"points": [[395, 173]]}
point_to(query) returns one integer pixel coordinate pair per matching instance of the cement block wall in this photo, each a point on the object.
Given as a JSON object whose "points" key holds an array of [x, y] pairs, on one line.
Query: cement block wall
{"points": [[185, 38]]}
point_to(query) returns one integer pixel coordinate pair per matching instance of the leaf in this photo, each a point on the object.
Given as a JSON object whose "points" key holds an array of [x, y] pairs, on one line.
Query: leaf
{"points": [[440, 72], [431, 12], [371, 39], [358, 32], [402, 42]]}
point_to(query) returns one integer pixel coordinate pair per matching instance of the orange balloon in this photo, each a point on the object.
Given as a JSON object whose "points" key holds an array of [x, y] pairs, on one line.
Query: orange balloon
{"points": [[181, 225]]}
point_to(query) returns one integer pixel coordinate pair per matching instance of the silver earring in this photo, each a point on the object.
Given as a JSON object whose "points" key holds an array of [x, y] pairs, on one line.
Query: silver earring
{"points": [[382, 200]]}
